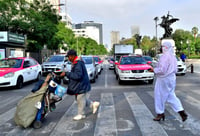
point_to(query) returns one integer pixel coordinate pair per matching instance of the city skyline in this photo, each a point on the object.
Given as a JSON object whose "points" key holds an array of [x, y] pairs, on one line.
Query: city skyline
{"points": [[121, 15]]}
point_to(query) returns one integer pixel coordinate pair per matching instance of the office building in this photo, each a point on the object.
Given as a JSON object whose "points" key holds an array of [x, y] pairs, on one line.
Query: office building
{"points": [[89, 29], [115, 38]]}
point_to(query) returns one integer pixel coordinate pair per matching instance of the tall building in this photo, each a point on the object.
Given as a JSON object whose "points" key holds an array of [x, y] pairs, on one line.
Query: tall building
{"points": [[115, 38], [135, 30], [89, 29], [61, 8]]}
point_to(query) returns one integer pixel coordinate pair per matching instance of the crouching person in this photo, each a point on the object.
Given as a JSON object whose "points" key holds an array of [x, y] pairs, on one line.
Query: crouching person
{"points": [[79, 85]]}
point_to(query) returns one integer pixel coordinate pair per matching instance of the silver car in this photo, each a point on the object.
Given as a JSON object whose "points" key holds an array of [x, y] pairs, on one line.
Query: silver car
{"points": [[91, 67], [55, 63]]}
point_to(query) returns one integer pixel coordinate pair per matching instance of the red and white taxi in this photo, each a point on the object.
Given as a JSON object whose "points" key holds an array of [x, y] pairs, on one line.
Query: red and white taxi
{"points": [[16, 71], [133, 68]]}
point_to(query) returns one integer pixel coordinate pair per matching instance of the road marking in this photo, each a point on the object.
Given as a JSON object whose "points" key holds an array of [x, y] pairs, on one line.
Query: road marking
{"points": [[191, 123], [106, 119], [6, 102], [144, 117], [7, 116], [129, 126], [66, 126], [106, 77], [25, 132]]}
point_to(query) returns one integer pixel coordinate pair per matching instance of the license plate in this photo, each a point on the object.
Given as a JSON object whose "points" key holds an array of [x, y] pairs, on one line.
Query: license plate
{"points": [[138, 77], [49, 70]]}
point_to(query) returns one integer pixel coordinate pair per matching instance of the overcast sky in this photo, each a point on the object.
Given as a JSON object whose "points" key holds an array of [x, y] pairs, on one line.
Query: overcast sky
{"points": [[120, 15]]}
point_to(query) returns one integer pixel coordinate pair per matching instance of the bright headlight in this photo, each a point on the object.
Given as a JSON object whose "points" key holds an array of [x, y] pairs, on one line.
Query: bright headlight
{"points": [[11, 74]]}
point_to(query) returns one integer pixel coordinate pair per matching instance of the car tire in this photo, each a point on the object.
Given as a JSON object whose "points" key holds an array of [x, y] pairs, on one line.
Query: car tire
{"points": [[94, 79], [119, 81], [150, 81], [39, 77], [19, 83]]}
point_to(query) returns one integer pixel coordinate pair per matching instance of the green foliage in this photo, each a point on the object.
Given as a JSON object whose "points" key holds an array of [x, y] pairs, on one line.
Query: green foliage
{"points": [[37, 20]]}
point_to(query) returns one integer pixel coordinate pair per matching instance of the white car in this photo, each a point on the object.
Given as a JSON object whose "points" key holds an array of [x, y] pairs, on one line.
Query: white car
{"points": [[131, 68], [182, 68], [16, 71], [91, 67]]}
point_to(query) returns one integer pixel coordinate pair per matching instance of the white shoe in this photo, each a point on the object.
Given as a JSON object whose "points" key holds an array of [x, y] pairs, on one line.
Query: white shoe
{"points": [[79, 117], [95, 106]]}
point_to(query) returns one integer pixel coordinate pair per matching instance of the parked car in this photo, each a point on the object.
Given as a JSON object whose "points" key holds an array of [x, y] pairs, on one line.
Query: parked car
{"points": [[111, 63], [182, 68], [55, 63], [16, 71], [148, 59], [99, 62], [91, 67], [133, 67]]}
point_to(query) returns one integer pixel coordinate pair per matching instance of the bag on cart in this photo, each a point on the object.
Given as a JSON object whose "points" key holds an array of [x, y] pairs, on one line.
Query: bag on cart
{"points": [[27, 108]]}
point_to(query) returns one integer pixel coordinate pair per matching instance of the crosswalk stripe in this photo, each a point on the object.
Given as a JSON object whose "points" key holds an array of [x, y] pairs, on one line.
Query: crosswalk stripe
{"points": [[144, 117], [7, 116], [66, 126], [191, 123], [9, 101], [64, 123], [106, 121]]}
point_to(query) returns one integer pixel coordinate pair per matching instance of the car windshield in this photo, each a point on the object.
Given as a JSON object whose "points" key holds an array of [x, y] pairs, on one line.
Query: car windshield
{"points": [[132, 60], [96, 59], [147, 58], [56, 59], [87, 60], [112, 59], [10, 63]]}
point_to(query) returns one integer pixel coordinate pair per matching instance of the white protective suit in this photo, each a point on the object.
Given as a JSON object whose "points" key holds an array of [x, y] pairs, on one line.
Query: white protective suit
{"points": [[165, 72]]}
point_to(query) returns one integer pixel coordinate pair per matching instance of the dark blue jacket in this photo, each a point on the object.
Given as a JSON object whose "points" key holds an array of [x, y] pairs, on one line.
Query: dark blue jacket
{"points": [[78, 79]]}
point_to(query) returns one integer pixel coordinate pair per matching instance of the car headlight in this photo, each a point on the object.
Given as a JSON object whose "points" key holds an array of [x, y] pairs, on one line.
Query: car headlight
{"points": [[89, 70], [125, 71], [147, 71], [11, 74], [60, 66]]}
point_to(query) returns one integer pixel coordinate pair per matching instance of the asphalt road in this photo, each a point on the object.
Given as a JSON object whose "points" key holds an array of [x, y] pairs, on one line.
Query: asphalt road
{"points": [[125, 110]]}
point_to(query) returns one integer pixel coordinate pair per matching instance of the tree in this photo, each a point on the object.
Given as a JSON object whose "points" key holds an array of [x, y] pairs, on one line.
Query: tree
{"points": [[37, 20]]}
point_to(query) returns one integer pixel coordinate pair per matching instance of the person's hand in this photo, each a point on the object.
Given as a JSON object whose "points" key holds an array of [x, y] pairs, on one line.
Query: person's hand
{"points": [[62, 74], [48, 77]]}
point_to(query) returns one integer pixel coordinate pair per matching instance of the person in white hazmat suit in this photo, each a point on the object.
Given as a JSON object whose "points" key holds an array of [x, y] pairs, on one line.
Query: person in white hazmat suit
{"points": [[165, 72]]}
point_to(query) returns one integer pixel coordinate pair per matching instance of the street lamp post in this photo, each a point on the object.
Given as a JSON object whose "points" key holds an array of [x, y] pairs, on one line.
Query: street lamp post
{"points": [[156, 25]]}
